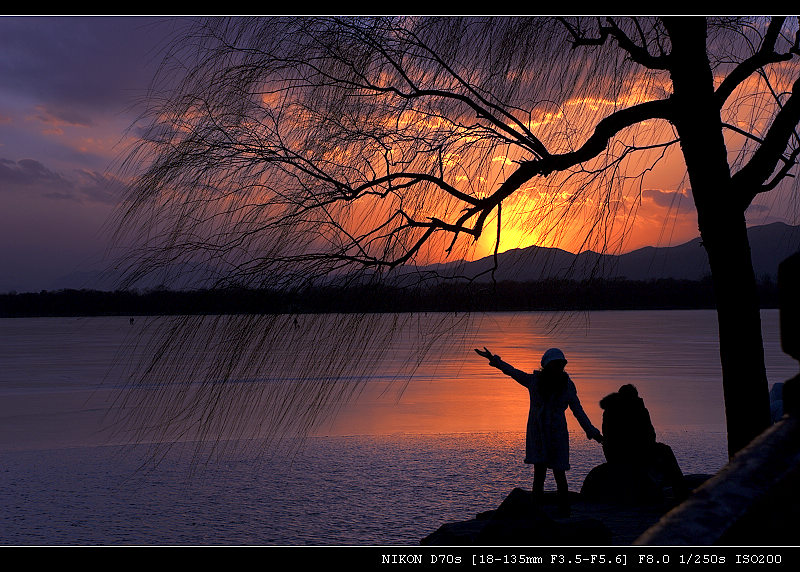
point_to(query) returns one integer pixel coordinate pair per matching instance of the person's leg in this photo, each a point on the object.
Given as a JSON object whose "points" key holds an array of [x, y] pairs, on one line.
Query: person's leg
{"points": [[562, 489], [539, 474]]}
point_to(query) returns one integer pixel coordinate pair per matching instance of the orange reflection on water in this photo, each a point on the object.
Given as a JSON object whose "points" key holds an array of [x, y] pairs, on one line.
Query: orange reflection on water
{"points": [[670, 356]]}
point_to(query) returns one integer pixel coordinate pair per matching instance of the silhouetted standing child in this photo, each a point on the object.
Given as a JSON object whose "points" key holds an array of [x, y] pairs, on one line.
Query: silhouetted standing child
{"points": [[547, 441]]}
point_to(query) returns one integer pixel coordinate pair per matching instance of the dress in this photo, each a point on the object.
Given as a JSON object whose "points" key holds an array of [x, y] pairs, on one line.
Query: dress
{"points": [[547, 438]]}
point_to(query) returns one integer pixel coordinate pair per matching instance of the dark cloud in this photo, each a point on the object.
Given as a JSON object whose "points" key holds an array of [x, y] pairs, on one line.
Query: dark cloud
{"points": [[98, 187], [60, 196], [67, 85], [677, 200], [57, 116], [80, 185], [88, 62], [28, 173]]}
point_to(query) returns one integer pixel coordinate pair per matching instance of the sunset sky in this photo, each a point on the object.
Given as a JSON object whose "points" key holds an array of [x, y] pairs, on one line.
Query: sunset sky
{"points": [[66, 95]]}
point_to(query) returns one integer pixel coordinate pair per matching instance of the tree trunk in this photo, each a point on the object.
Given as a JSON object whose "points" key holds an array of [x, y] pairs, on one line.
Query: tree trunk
{"points": [[723, 230], [744, 374]]}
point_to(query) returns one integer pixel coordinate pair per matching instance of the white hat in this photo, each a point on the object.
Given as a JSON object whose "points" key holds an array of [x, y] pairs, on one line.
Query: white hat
{"points": [[551, 355]]}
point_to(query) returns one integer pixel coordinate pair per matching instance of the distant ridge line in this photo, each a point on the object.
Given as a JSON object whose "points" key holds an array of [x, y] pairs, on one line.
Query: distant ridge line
{"points": [[769, 244]]}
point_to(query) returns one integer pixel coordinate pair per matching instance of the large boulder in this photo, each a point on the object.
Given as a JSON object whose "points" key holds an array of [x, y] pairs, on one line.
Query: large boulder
{"points": [[614, 484], [657, 479], [518, 522]]}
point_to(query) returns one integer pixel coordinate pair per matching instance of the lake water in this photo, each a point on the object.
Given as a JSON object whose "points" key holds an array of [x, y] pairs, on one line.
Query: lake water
{"points": [[389, 468]]}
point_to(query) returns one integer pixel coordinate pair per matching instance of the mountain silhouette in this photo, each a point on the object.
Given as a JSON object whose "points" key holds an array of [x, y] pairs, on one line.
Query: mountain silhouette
{"points": [[769, 244], [639, 272]]}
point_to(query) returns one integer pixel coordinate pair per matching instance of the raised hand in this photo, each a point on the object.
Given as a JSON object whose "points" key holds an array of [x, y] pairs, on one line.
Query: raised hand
{"points": [[485, 353]]}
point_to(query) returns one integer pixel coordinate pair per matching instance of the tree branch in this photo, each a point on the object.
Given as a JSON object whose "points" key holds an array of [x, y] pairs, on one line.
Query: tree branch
{"points": [[752, 176], [782, 174], [764, 56], [607, 128], [594, 145], [638, 53]]}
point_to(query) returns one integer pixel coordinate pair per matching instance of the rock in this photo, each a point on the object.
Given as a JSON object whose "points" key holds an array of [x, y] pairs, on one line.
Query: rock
{"points": [[518, 522], [791, 397], [658, 479], [539, 529], [612, 483], [595, 520], [455, 534], [694, 480]]}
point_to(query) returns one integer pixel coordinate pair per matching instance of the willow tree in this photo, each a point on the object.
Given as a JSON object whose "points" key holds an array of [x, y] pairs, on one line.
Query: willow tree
{"points": [[286, 152]]}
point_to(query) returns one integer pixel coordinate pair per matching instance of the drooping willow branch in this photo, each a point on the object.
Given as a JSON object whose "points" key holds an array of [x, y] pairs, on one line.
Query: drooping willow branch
{"points": [[295, 152]]}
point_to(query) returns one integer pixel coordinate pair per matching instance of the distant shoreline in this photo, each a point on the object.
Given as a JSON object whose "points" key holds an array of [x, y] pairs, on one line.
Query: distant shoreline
{"points": [[544, 295]]}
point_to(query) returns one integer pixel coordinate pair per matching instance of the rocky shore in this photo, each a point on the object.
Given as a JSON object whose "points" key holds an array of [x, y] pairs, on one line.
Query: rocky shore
{"points": [[592, 521], [619, 500]]}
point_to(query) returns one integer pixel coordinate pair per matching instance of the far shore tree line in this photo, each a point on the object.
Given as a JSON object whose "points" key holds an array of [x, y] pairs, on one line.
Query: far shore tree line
{"points": [[544, 295]]}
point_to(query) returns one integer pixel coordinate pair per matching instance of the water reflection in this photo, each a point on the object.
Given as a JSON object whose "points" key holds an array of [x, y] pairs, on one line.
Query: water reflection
{"points": [[57, 376], [670, 356]]}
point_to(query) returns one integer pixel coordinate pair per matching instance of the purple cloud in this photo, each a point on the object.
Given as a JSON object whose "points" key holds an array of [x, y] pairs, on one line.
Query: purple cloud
{"points": [[86, 63], [28, 173], [678, 200], [81, 185]]}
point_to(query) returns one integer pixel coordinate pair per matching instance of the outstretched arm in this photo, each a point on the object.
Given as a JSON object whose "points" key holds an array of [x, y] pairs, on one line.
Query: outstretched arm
{"points": [[495, 361]]}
